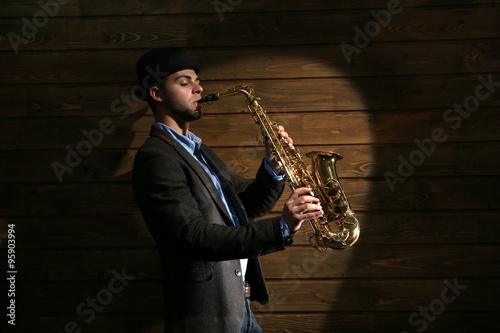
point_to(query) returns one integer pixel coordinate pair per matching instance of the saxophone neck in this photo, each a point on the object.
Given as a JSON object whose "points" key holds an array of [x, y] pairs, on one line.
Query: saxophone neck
{"points": [[245, 90]]}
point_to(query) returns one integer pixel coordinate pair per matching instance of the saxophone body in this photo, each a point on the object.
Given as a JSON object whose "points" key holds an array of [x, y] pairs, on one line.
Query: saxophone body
{"points": [[338, 228]]}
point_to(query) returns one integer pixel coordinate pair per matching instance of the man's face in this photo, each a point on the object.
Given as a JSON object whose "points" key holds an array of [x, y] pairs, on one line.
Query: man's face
{"points": [[182, 91]]}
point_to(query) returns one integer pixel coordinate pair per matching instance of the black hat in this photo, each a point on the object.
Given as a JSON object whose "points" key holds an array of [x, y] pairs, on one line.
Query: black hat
{"points": [[158, 64]]}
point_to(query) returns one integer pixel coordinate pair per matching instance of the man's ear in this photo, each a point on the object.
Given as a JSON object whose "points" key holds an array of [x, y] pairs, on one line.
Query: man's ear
{"points": [[156, 94]]}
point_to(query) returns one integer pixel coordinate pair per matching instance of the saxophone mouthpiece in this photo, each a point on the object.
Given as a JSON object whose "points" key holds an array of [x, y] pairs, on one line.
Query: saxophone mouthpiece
{"points": [[207, 100]]}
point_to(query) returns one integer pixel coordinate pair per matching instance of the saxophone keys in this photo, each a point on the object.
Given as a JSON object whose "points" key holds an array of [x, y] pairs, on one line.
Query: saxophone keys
{"points": [[317, 242]]}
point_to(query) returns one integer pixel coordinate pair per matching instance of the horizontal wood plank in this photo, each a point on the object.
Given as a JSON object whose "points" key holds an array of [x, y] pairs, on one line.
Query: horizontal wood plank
{"points": [[359, 161], [343, 321], [376, 322], [404, 296], [255, 29], [377, 228], [469, 227], [426, 261], [81, 136], [380, 295], [379, 262], [376, 195], [144, 7], [279, 62], [279, 97]]}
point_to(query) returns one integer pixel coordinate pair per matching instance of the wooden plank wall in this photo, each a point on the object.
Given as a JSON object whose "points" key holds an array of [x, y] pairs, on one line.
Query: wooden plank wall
{"points": [[421, 171]]}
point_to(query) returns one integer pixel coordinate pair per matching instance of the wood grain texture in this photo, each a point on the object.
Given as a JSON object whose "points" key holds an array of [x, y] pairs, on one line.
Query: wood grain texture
{"points": [[345, 321], [417, 94], [84, 134], [374, 261], [88, 232], [244, 63], [359, 161], [372, 195], [251, 29], [144, 7], [404, 296]]}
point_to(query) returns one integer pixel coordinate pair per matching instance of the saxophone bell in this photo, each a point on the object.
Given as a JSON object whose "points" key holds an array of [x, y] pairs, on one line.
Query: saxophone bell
{"points": [[339, 213]]}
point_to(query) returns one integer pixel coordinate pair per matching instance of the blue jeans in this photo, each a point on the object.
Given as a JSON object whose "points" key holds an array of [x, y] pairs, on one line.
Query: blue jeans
{"points": [[250, 324]]}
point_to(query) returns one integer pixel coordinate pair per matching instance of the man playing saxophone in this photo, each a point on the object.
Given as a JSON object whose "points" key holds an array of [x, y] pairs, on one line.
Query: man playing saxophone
{"points": [[197, 209]]}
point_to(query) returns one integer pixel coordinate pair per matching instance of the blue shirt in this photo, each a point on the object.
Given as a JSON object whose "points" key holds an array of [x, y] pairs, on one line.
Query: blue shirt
{"points": [[192, 144]]}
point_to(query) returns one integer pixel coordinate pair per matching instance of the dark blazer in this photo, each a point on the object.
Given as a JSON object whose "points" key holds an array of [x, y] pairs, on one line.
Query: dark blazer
{"points": [[198, 244]]}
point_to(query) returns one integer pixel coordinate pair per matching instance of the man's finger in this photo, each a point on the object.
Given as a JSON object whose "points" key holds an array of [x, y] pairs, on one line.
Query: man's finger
{"points": [[300, 192]]}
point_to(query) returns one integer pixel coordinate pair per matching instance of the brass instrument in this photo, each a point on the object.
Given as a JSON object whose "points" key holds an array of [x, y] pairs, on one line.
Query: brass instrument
{"points": [[338, 228]]}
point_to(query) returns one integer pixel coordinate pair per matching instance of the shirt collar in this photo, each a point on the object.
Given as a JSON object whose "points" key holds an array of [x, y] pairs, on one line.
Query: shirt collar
{"points": [[191, 142]]}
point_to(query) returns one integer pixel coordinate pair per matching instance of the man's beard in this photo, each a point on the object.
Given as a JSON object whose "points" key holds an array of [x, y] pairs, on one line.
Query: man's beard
{"points": [[181, 111]]}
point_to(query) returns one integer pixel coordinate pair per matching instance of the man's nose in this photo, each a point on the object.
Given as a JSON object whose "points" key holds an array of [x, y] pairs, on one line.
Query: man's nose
{"points": [[198, 88]]}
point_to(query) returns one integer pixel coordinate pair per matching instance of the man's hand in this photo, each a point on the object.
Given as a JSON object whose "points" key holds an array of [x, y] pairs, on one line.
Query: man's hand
{"points": [[300, 206], [271, 161]]}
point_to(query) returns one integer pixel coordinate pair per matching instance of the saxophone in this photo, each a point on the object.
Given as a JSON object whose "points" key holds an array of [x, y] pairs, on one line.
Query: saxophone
{"points": [[338, 228]]}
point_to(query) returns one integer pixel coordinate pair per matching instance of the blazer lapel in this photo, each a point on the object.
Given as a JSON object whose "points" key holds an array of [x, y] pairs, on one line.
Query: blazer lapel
{"points": [[196, 167], [232, 196]]}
